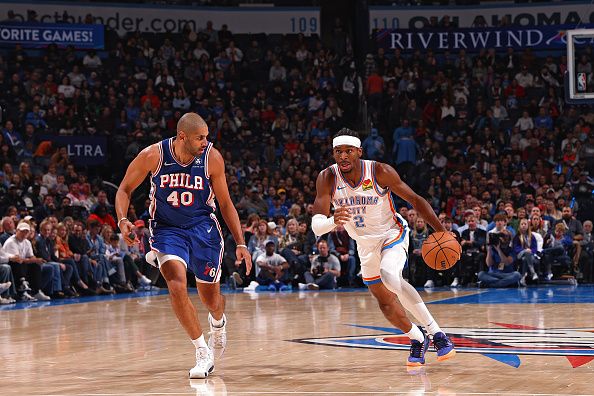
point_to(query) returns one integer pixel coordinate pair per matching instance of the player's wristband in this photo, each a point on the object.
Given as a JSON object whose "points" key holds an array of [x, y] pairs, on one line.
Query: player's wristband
{"points": [[321, 224], [120, 220], [243, 246]]}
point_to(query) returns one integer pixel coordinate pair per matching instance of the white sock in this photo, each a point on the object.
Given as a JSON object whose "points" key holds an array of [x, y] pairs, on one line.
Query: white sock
{"points": [[410, 299], [218, 323], [415, 334], [407, 295], [199, 342], [433, 328]]}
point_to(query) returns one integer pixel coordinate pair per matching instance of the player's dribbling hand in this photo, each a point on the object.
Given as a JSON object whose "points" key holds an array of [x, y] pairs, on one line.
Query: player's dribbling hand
{"points": [[341, 215], [241, 253]]}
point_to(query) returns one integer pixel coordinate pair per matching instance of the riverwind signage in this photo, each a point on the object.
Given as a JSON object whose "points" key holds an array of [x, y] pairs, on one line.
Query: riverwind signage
{"points": [[536, 38]]}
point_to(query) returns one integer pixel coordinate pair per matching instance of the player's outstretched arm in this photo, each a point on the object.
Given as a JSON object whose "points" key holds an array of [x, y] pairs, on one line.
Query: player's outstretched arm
{"points": [[216, 169], [146, 161], [388, 177], [320, 222]]}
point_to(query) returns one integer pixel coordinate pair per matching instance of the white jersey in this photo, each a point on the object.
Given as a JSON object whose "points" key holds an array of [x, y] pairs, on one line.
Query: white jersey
{"points": [[373, 213]]}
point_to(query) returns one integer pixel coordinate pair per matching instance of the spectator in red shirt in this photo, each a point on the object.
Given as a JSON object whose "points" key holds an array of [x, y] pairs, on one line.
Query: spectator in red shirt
{"points": [[149, 96], [375, 86], [100, 214]]}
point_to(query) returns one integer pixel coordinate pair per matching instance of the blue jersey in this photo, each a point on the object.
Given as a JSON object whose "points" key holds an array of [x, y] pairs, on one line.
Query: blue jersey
{"points": [[181, 194]]}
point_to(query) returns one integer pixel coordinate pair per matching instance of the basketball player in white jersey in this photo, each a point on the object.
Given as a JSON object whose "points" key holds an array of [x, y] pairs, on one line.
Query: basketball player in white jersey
{"points": [[359, 190]]}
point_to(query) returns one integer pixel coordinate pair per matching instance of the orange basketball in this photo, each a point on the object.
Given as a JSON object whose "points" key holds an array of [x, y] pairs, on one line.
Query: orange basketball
{"points": [[441, 251]]}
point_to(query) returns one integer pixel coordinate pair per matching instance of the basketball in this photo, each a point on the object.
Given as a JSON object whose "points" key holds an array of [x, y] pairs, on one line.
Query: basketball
{"points": [[441, 251]]}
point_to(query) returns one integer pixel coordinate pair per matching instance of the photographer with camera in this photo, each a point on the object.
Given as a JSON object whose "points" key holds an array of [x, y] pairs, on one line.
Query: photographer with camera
{"points": [[324, 270], [501, 272]]}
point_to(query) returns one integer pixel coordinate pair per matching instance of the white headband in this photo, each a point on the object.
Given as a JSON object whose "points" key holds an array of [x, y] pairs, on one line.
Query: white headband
{"points": [[345, 140]]}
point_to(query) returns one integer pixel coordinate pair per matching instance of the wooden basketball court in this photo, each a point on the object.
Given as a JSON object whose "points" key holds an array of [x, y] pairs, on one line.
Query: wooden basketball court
{"points": [[509, 342]]}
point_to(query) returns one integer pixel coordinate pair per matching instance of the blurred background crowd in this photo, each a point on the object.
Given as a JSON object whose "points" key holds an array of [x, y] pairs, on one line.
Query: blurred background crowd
{"points": [[485, 137]]}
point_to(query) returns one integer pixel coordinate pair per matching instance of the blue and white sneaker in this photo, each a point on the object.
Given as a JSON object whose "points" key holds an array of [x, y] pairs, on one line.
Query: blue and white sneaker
{"points": [[417, 351], [443, 346]]}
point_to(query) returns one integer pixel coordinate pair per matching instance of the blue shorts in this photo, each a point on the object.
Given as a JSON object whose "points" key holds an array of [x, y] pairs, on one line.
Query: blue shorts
{"points": [[200, 248]]}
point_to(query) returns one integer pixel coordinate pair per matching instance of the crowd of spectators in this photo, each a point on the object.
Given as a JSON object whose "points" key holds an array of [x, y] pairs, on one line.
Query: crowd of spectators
{"points": [[485, 133]]}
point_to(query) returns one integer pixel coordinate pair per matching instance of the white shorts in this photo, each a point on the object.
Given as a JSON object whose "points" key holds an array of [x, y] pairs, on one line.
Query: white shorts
{"points": [[371, 254]]}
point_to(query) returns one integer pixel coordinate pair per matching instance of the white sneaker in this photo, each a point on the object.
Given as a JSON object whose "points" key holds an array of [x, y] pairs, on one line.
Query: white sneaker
{"points": [[24, 286], [523, 281], [429, 284], [302, 286], [217, 342], [252, 286], [204, 363], [237, 277], [535, 276], [144, 281], [455, 283], [5, 286], [27, 297], [4, 301], [313, 286], [41, 296]]}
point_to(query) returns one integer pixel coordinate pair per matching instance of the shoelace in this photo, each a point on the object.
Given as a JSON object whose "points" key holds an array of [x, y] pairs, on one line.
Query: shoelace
{"points": [[201, 354], [440, 342], [219, 337], [416, 349]]}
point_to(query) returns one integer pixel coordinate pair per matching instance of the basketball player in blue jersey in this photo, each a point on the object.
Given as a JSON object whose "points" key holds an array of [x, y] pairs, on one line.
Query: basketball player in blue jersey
{"points": [[359, 191], [186, 175]]}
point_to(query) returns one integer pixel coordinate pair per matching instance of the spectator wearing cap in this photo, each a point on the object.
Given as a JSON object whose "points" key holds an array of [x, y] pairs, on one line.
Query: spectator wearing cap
{"points": [[274, 230], [25, 266], [253, 203], [274, 269], [277, 208], [143, 235]]}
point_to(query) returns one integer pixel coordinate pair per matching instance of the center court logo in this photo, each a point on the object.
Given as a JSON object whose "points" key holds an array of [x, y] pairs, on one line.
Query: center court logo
{"points": [[503, 344]]}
